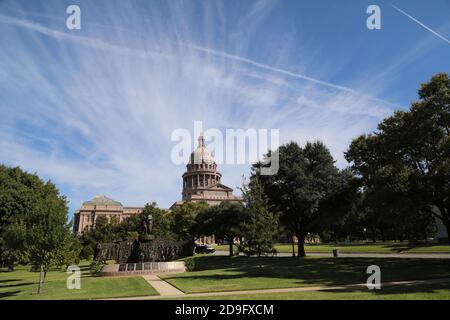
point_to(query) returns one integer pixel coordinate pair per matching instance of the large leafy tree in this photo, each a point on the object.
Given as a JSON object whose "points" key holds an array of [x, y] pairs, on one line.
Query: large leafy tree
{"points": [[183, 223], [33, 221], [183, 219], [47, 231], [338, 208], [225, 221], [19, 192], [405, 164], [305, 180]]}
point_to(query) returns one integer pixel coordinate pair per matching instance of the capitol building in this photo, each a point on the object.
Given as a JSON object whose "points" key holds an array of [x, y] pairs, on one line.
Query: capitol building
{"points": [[201, 182]]}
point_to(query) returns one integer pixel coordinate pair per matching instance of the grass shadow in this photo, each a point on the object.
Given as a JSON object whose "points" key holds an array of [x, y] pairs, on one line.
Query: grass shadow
{"points": [[9, 294], [410, 246], [17, 285], [10, 280]]}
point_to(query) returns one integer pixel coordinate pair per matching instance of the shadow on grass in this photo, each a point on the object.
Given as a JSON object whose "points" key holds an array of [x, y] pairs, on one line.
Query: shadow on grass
{"points": [[8, 294], [9, 280], [410, 246], [311, 271], [16, 285]]}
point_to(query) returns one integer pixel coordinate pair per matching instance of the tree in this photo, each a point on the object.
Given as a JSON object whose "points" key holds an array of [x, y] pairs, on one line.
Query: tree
{"points": [[183, 219], [405, 164], [47, 230], [305, 179], [335, 210], [70, 253], [261, 228], [19, 192], [13, 244], [225, 221], [33, 222]]}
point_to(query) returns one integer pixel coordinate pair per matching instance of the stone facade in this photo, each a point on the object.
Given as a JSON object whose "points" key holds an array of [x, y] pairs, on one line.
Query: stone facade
{"points": [[84, 218]]}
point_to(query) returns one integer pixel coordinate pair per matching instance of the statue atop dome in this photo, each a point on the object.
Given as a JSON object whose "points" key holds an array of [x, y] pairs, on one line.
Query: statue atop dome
{"points": [[201, 141]]}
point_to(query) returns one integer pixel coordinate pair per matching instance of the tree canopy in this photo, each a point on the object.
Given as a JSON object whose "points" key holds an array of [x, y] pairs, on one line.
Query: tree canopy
{"points": [[33, 221], [306, 178], [405, 164], [224, 221]]}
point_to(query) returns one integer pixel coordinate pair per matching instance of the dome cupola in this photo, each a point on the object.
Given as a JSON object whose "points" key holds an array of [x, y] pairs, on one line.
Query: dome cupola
{"points": [[201, 154], [201, 171]]}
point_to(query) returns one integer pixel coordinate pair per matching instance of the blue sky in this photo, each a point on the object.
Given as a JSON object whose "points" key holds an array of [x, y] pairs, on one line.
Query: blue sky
{"points": [[93, 109]]}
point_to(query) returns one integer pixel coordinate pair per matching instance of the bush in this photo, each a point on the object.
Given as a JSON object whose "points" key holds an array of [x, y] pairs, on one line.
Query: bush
{"points": [[95, 267], [190, 264]]}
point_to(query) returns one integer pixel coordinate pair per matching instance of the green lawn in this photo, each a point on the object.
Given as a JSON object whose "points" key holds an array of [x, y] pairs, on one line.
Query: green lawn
{"points": [[417, 292], [217, 273], [22, 284], [389, 247]]}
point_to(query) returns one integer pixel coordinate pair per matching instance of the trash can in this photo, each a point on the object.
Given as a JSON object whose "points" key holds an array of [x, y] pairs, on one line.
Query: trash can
{"points": [[335, 253]]}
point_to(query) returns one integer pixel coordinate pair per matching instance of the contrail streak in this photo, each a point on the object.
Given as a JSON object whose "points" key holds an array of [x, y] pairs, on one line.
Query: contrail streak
{"points": [[283, 71], [92, 42], [421, 24]]}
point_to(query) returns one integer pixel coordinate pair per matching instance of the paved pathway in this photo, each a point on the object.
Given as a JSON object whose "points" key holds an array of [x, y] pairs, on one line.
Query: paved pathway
{"points": [[164, 288], [364, 255], [168, 295]]}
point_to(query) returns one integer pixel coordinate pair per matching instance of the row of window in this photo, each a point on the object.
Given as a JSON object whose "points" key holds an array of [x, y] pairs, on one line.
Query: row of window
{"points": [[201, 183], [203, 166]]}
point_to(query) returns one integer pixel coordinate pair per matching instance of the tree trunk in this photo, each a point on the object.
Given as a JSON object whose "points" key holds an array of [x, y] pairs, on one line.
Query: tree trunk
{"points": [[374, 235], [231, 248], [45, 275], [293, 246], [383, 234], [301, 245], [41, 278], [447, 227]]}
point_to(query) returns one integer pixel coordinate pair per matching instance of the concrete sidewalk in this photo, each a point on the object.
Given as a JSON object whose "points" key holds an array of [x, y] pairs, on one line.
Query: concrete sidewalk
{"points": [[164, 288]]}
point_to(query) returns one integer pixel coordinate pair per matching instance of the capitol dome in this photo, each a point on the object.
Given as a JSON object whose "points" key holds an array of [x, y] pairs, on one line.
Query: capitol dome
{"points": [[202, 181], [201, 154], [102, 201]]}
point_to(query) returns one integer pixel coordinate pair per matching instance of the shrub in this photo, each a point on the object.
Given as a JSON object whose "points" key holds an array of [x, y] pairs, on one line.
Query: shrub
{"points": [[95, 267], [190, 264]]}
